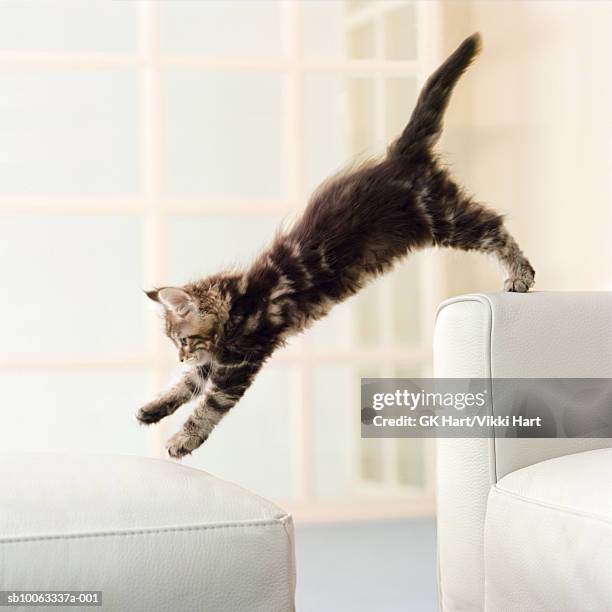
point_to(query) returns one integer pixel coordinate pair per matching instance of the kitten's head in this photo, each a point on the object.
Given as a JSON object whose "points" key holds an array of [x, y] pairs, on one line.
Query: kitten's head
{"points": [[194, 317]]}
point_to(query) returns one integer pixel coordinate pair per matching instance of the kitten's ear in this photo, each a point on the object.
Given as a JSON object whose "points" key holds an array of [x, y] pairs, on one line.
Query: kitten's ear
{"points": [[176, 300], [153, 295]]}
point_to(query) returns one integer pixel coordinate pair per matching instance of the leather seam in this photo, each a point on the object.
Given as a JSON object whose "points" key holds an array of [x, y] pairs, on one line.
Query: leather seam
{"points": [[287, 523], [279, 522], [489, 359], [549, 506]]}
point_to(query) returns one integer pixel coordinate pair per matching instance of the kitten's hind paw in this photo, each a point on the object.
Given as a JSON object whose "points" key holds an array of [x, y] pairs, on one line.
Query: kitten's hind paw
{"points": [[516, 285], [182, 444], [523, 281]]}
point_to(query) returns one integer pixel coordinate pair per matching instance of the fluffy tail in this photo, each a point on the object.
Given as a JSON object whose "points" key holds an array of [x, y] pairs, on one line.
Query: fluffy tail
{"points": [[425, 124]]}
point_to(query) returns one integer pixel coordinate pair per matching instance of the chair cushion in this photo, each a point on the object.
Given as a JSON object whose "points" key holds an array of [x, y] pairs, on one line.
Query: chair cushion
{"points": [[150, 534], [548, 536]]}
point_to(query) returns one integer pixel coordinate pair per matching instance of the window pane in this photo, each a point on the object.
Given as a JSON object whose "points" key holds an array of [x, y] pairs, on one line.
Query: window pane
{"points": [[76, 288], [332, 32], [89, 411], [326, 127], [69, 132], [410, 452], [323, 26], [247, 28], [68, 26], [339, 30], [222, 134], [354, 5], [371, 450], [372, 459], [340, 120], [362, 41], [355, 323], [335, 331], [259, 426], [363, 114], [198, 246], [367, 315], [336, 430], [414, 371], [407, 288], [400, 35], [410, 461], [400, 98]]}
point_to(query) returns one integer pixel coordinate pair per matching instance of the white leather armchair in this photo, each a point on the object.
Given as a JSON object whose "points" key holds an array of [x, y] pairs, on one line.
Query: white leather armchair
{"points": [[151, 535], [525, 524]]}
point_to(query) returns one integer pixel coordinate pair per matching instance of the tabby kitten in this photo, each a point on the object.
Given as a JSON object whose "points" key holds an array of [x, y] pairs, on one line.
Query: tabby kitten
{"points": [[356, 226]]}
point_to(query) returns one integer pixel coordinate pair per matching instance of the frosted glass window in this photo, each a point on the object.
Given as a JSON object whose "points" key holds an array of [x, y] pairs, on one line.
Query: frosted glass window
{"points": [[400, 33], [222, 134], [405, 371], [198, 246], [89, 411], [331, 32], [323, 23], [258, 427], [407, 290], [336, 418], [69, 132], [372, 459], [371, 450], [410, 453], [362, 41], [340, 119], [400, 98], [70, 285], [247, 28], [363, 113], [326, 127], [335, 331], [354, 5], [68, 26], [367, 316], [338, 30]]}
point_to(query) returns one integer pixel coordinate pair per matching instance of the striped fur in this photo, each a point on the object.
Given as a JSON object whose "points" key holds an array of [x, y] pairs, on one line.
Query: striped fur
{"points": [[356, 226]]}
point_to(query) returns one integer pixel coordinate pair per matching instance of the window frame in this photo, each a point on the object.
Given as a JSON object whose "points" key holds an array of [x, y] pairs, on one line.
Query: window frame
{"points": [[376, 499]]}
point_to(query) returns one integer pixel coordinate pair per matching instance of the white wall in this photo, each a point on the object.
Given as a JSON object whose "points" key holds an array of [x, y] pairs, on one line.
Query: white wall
{"points": [[530, 132]]}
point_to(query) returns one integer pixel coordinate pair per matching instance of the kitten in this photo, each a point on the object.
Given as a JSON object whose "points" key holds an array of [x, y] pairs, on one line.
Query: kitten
{"points": [[356, 226]]}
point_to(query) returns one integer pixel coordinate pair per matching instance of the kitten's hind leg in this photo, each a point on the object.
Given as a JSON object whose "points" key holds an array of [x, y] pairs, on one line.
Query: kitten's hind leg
{"points": [[475, 227], [521, 275]]}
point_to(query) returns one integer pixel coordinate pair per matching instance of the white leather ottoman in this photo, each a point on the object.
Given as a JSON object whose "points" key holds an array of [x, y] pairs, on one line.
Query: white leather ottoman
{"points": [[150, 534], [560, 510]]}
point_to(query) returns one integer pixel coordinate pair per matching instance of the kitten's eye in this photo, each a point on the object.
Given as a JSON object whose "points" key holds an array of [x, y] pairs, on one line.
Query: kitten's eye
{"points": [[183, 341]]}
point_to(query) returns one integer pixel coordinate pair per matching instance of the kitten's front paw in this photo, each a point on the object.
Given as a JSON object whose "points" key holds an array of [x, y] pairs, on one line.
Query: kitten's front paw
{"points": [[151, 413], [182, 444]]}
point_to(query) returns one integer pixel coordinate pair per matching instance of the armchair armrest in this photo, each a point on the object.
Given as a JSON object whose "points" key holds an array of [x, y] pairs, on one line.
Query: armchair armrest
{"points": [[506, 335]]}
